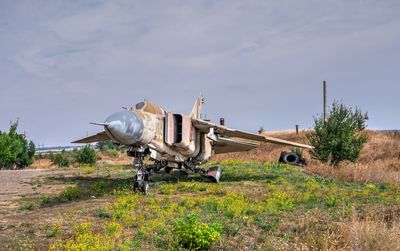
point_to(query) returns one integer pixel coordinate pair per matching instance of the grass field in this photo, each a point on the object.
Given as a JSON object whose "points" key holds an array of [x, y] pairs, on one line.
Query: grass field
{"points": [[259, 205]]}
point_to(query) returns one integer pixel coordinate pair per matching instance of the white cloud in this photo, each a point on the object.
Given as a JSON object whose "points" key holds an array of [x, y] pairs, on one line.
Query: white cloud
{"points": [[253, 57]]}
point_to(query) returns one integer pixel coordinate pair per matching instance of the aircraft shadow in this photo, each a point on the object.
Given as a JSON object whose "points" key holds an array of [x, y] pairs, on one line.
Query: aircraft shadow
{"points": [[87, 186]]}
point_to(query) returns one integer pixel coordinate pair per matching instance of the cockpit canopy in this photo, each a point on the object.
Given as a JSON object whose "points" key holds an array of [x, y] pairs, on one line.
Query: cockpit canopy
{"points": [[149, 107]]}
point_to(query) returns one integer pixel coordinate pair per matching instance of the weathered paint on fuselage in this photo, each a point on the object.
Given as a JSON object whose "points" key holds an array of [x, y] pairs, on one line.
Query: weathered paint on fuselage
{"points": [[194, 145]]}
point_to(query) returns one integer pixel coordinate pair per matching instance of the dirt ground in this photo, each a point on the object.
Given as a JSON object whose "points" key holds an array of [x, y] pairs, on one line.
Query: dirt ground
{"points": [[16, 184]]}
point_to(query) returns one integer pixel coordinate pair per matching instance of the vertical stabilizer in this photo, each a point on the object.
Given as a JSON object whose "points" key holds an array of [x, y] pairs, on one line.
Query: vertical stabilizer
{"points": [[196, 110]]}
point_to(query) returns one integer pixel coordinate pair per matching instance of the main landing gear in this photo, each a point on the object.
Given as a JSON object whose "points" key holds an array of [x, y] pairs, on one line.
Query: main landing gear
{"points": [[141, 179], [213, 173]]}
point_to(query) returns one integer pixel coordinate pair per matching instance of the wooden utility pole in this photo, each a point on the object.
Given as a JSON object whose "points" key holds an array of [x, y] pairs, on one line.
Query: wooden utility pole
{"points": [[325, 99], [297, 129]]}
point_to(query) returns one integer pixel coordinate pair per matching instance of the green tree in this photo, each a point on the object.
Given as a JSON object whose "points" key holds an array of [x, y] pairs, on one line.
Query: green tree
{"points": [[15, 150], [106, 145], [86, 155], [25, 158], [340, 137], [61, 159]]}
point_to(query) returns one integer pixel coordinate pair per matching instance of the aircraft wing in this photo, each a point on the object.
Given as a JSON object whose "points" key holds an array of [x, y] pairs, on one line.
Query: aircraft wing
{"points": [[101, 136], [229, 145], [205, 126]]}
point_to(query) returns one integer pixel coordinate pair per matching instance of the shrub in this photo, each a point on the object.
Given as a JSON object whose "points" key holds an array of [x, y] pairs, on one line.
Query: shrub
{"points": [[83, 228], [44, 200], [15, 150], [52, 230], [86, 155], [102, 213], [113, 229], [112, 152], [339, 137], [87, 169], [100, 187], [61, 159], [70, 193], [106, 145], [194, 235]]}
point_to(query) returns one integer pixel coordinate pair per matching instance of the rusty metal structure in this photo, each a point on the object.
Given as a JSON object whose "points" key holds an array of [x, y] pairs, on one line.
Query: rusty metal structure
{"points": [[173, 140]]}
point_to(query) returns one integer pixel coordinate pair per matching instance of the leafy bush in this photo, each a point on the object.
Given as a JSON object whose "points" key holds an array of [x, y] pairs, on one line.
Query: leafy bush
{"points": [[70, 193], [194, 235], [340, 136], [87, 169], [102, 213], [112, 152], [113, 228], [86, 155], [45, 200], [106, 145], [15, 150], [61, 159], [83, 228], [100, 187], [52, 230]]}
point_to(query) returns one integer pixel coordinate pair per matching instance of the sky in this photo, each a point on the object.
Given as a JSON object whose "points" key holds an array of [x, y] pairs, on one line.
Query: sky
{"points": [[258, 63]]}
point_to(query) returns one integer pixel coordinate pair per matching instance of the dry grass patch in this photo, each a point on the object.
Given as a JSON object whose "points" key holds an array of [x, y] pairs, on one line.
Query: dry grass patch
{"points": [[371, 235], [379, 161]]}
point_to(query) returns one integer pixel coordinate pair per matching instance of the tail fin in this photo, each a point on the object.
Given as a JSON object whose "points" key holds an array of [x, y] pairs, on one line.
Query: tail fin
{"points": [[196, 110]]}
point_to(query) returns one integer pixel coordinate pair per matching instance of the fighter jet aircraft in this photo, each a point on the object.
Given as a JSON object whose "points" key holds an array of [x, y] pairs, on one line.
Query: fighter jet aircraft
{"points": [[173, 140]]}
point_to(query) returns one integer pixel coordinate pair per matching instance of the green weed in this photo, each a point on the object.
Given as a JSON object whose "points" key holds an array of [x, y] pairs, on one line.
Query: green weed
{"points": [[52, 230], [70, 193], [27, 207], [87, 169], [194, 235]]}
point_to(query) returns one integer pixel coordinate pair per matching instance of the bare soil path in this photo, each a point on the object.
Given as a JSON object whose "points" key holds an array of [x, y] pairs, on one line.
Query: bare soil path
{"points": [[16, 184]]}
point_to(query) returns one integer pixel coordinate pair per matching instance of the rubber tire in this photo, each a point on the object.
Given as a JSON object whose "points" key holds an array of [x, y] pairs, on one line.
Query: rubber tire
{"points": [[291, 158]]}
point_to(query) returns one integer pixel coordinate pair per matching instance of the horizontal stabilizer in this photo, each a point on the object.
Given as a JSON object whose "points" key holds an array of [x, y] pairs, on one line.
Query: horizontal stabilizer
{"points": [[101, 136]]}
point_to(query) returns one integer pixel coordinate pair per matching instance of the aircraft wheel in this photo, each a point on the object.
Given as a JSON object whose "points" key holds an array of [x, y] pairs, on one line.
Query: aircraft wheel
{"points": [[214, 174], [145, 187]]}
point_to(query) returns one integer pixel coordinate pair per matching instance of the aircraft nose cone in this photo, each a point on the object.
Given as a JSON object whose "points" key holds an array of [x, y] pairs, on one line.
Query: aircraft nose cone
{"points": [[125, 127]]}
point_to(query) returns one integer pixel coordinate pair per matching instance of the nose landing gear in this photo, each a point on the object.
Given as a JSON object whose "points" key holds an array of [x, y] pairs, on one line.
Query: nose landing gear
{"points": [[141, 179], [140, 182]]}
